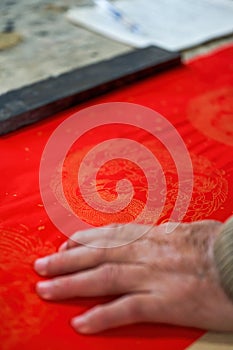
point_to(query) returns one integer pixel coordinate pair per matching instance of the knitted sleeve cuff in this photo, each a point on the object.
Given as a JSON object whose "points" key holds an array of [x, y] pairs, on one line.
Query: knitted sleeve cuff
{"points": [[223, 255]]}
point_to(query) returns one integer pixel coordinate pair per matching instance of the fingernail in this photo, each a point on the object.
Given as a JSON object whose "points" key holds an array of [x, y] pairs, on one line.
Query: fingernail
{"points": [[40, 265], [80, 324], [62, 247], [44, 289]]}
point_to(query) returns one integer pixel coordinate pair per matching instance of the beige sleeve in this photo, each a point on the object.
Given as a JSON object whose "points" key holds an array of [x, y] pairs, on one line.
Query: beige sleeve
{"points": [[223, 255]]}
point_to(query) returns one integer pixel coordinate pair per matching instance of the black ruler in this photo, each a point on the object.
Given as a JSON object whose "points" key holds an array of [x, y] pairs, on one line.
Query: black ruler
{"points": [[37, 101]]}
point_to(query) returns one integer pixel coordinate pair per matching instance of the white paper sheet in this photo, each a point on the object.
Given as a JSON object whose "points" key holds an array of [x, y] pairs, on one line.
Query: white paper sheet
{"points": [[171, 24]]}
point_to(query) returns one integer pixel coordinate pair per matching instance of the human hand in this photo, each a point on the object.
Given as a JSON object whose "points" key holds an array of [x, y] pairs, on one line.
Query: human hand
{"points": [[164, 278]]}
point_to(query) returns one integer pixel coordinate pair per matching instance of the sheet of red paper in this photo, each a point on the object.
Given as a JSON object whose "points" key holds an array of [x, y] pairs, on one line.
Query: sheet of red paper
{"points": [[197, 99]]}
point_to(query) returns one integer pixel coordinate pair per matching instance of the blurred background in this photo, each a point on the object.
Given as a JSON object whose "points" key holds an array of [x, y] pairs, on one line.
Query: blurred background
{"points": [[37, 41]]}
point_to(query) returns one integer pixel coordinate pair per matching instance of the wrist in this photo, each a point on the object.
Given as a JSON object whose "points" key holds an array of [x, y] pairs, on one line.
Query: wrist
{"points": [[223, 257]]}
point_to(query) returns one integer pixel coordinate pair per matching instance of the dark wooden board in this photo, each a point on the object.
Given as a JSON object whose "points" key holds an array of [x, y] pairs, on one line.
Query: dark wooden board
{"points": [[35, 102]]}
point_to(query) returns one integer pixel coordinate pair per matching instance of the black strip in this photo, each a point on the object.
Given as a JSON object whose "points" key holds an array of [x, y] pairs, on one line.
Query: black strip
{"points": [[35, 102]]}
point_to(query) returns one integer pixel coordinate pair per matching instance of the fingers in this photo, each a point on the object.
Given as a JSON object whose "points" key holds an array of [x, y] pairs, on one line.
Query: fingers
{"points": [[69, 261], [123, 311], [110, 236], [82, 258], [96, 237], [108, 279]]}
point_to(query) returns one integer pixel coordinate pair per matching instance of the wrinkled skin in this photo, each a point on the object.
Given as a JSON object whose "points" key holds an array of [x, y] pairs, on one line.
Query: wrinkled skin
{"points": [[160, 277]]}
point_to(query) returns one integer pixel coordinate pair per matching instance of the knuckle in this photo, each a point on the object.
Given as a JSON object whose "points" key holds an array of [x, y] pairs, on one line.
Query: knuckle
{"points": [[102, 254], [57, 283], [135, 309], [62, 284], [57, 287], [97, 310], [99, 316], [50, 263], [54, 262], [109, 275]]}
